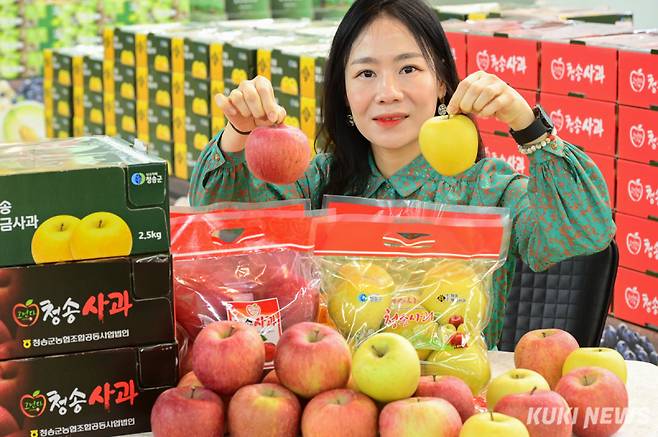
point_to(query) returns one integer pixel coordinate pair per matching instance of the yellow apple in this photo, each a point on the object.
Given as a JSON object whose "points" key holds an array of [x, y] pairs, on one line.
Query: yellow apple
{"points": [[406, 317], [101, 235], [493, 425], [597, 357], [512, 382], [449, 143], [359, 298], [470, 364], [51, 240], [386, 367], [453, 288]]}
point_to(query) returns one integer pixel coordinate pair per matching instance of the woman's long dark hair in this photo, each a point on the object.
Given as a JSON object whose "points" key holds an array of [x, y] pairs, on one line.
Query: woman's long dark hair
{"points": [[349, 169]]}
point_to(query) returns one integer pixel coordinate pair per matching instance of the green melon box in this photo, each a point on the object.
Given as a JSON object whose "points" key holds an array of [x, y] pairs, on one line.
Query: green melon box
{"points": [[77, 199]]}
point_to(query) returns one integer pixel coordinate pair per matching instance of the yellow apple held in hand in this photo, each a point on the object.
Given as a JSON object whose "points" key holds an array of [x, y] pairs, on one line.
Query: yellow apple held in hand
{"points": [[449, 143], [597, 357], [360, 297], [452, 289], [512, 382], [101, 235], [51, 240], [493, 425], [470, 364]]}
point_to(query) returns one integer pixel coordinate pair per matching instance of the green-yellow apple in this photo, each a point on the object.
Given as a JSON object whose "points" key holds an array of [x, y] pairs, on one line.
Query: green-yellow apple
{"points": [[545, 351], [596, 356], [470, 364], [386, 367], [51, 241], [453, 289], [312, 358], [228, 355], [358, 299], [101, 235], [187, 411], [493, 425], [409, 319], [264, 409], [450, 388], [598, 399], [340, 412], [514, 381], [544, 413], [449, 143], [415, 417]]}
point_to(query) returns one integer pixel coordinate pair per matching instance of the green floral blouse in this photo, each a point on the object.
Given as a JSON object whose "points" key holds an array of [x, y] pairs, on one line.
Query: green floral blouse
{"points": [[560, 211]]}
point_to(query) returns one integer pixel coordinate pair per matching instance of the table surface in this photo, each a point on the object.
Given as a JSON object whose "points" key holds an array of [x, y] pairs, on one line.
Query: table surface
{"points": [[642, 385]]}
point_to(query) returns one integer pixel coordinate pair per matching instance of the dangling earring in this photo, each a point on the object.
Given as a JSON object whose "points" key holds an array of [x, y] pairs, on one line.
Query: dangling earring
{"points": [[350, 120], [442, 110]]}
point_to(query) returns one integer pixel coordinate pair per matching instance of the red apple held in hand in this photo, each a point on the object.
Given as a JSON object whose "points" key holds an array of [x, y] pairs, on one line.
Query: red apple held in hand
{"points": [[340, 412], [312, 358], [227, 356], [450, 388], [271, 378], [544, 351], [264, 409], [544, 413], [598, 399], [414, 417], [277, 154], [188, 411], [189, 380]]}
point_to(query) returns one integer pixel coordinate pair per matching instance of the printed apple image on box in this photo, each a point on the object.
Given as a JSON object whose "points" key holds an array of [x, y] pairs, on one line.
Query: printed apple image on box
{"points": [[77, 199], [108, 392], [81, 306]]}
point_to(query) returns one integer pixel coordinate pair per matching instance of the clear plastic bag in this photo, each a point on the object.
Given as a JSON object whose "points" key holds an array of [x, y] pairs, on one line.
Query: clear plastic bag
{"points": [[254, 266], [421, 270]]}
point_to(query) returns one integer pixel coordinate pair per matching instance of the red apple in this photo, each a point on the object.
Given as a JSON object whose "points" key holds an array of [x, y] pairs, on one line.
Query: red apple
{"points": [[227, 356], [456, 321], [340, 412], [598, 399], [450, 388], [7, 422], [312, 358], [457, 339], [277, 154], [299, 298], [419, 417], [271, 378], [188, 411], [11, 385], [544, 351], [545, 413], [264, 409], [189, 380]]}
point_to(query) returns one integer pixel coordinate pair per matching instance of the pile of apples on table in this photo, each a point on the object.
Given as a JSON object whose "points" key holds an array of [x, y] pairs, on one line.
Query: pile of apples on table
{"points": [[319, 388]]}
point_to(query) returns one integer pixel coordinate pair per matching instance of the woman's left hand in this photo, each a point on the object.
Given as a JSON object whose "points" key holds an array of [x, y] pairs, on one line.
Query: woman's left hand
{"points": [[486, 95]]}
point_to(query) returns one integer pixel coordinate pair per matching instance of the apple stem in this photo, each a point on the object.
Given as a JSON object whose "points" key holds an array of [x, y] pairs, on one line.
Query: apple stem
{"points": [[379, 354], [61, 227], [491, 413], [434, 378], [586, 381], [193, 390], [533, 390], [100, 223]]}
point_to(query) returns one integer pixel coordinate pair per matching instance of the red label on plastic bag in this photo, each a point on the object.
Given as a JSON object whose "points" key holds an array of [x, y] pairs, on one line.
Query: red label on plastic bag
{"points": [[264, 315]]}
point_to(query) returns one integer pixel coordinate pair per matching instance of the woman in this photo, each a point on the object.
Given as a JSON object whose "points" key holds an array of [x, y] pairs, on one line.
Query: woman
{"points": [[389, 70]]}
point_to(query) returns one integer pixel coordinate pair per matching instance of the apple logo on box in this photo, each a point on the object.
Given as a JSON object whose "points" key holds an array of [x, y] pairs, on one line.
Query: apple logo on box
{"points": [[632, 297]]}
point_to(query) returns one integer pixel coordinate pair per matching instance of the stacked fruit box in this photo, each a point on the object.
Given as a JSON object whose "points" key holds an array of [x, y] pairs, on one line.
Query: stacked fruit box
{"points": [[92, 71], [86, 311], [11, 47]]}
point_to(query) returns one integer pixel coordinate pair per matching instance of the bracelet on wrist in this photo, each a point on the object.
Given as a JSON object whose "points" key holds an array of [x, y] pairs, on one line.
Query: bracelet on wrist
{"points": [[532, 148], [238, 130]]}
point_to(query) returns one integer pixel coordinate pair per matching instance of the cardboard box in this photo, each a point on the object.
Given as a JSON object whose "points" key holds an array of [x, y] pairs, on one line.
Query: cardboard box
{"points": [[198, 132], [163, 150], [126, 119], [62, 126], [94, 106], [70, 307], [638, 189], [607, 166], [579, 70], [198, 96], [636, 298], [92, 66], [638, 134], [160, 123], [493, 126], [638, 243], [457, 42], [76, 178], [100, 393], [505, 148], [203, 52], [125, 82], [293, 68], [160, 91], [588, 124], [247, 9]]}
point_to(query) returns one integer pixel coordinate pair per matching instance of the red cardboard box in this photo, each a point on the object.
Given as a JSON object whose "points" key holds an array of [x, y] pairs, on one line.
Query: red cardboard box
{"points": [[491, 125], [636, 297], [505, 148], [607, 166], [578, 69], [638, 243], [457, 42], [589, 124], [638, 134], [638, 189]]}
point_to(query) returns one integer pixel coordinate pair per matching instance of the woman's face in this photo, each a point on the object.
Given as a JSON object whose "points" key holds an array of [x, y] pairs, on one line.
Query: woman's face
{"points": [[391, 88]]}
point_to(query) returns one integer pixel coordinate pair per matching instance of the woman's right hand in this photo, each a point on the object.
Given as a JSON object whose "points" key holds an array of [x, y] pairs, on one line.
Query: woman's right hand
{"points": [[247, 107]]}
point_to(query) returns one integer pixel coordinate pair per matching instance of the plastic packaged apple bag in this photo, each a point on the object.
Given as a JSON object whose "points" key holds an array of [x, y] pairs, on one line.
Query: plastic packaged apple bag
{"points": [[253, 266], [417, 269]]}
